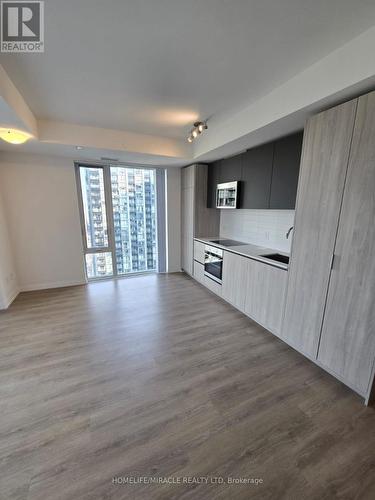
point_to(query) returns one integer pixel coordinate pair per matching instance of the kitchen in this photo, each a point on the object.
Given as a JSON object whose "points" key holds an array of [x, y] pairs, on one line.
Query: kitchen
{"points": [[187, 241], [283, 233]]}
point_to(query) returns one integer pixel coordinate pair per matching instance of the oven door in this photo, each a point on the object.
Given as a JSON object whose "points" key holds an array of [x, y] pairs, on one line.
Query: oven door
{"points": [[213, 264]]}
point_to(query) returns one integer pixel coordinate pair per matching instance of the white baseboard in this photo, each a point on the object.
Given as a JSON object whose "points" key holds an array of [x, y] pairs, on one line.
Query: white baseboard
{"points": [[10, 298], [47, 286]]}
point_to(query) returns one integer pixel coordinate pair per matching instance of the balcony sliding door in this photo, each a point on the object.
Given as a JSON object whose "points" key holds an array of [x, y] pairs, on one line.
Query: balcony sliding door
{"points": [[120, 208]]}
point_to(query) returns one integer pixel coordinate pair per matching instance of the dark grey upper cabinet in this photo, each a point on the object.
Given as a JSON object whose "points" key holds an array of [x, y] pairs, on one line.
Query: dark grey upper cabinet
{"points": [[230, 169], [286, 163], [213, 180], [256, 176], [268, 174]]}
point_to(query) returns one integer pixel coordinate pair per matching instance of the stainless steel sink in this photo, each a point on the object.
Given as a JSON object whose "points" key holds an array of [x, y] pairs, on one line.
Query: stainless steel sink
{"points": [[277, 257]]}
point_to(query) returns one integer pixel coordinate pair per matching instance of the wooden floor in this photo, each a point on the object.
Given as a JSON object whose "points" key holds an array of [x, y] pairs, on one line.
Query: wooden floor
{"points": [[154, 376]]}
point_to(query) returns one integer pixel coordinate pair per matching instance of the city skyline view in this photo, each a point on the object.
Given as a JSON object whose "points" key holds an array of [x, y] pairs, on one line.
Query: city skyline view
{"points": [[132, 236]]}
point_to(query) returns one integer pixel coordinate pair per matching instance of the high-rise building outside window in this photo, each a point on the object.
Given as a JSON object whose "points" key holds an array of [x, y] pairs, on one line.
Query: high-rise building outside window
{"points": [[125, 240], [134, 218]]}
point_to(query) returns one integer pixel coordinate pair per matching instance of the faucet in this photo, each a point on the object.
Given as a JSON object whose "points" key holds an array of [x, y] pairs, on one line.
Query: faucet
{"points": [[288, 232]]}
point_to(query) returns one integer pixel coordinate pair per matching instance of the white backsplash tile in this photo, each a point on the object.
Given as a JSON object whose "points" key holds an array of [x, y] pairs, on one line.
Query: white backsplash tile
{"points": [[260, 227]]}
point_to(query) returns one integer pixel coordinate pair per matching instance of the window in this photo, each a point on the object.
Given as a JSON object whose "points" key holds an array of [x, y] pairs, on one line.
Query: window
{"points": [[99, 265], [119, 213], [94, 209], [134, 219]]}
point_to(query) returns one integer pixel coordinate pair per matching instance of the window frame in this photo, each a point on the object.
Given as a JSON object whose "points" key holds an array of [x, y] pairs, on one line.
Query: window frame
{"points": [[111, 247]]}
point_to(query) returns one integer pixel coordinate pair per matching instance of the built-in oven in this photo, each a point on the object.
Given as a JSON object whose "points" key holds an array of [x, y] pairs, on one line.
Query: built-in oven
{"points": [[213, 263]]}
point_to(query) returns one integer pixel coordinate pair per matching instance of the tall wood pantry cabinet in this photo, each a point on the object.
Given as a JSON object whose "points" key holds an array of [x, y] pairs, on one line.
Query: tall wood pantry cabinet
{"points": [[330, 305], [196, 219]]}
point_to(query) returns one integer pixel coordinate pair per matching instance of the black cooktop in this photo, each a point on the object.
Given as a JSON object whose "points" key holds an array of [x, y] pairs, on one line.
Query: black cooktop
{"points": [[228, 243]]}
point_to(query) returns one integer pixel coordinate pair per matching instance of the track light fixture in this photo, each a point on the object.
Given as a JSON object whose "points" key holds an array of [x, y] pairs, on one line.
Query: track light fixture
{"points": [[198, 129]]}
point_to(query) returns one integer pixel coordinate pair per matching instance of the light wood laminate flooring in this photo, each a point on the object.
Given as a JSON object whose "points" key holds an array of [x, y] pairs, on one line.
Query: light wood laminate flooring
{"points": [[155, 376]]}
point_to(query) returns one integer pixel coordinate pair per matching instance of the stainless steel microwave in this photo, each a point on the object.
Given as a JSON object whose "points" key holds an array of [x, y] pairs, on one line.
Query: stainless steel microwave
{"points": [[227, 195]]}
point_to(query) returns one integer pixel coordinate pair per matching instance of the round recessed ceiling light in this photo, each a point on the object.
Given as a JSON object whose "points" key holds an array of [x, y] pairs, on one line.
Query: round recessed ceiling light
{"points": [[14, 136], [79, 147]]}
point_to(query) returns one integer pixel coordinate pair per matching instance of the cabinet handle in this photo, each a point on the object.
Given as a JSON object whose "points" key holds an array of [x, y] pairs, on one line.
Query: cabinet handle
{"points": [[335, 261], [332, 259]]}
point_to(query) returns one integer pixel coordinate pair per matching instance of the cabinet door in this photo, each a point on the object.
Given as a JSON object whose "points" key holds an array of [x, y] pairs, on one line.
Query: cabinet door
{"points": [[265, 299], [206, 221], [285, 170], [187, 229], [230, 169], [235, 272], [323, 168], [256, 177], [198, 272], [187, 177], [347, 344], [212, 285], [199, 251], [212, 182]]}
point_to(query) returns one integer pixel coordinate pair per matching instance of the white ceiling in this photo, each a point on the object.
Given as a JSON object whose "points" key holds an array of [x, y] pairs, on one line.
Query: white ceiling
{"points": [[90, 154], [154, 66]]}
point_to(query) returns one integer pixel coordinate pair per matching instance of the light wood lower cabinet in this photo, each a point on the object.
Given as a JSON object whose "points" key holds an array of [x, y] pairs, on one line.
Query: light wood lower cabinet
{"points": [[199, 251], [198, 272], [266, 293], [235, 279], [212, 285], [257, 289]]}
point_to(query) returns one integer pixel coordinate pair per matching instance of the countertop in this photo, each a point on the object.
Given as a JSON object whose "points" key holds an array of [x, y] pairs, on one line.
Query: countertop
{"points": [[252, 251]]}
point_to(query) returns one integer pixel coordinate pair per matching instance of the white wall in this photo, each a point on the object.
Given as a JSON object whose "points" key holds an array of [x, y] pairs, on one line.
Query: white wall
{"points": [[41, 207], [8, 278], [173, 213], [260, 227], [40, 199]]}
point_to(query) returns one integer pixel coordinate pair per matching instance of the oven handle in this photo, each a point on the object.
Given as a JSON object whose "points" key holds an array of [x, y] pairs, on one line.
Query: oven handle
{"points": [[213, 254]]}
